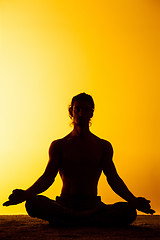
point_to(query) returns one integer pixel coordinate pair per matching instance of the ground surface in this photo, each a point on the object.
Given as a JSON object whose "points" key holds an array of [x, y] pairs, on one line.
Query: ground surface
{"points": [[23, 227]]}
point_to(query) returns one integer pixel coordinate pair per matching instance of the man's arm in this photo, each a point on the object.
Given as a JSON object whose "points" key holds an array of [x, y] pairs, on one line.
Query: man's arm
{"points": [[43, 183], [117, 184], [47, 178]]}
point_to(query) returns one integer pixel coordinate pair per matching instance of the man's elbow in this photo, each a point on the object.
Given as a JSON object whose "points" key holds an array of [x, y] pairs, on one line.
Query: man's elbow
{"points": [[113, 180], [47, 179]]}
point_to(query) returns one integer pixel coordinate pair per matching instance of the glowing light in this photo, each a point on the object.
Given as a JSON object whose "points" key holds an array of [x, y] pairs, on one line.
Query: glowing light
{"points": [[53, 50]]}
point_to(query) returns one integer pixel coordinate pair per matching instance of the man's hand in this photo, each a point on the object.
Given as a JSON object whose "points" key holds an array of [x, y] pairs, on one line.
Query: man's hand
{"points": [[17, 196], [143, 205]]}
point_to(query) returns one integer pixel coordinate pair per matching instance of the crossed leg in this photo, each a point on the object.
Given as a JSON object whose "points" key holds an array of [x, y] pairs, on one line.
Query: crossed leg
{"points": [[118, 214]]}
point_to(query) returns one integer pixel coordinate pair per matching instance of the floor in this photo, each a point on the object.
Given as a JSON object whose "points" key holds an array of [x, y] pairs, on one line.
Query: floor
{"points": [[23, 227]]}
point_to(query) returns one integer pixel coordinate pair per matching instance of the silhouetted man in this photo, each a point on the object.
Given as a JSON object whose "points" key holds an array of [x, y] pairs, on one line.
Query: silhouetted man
{"points": [[80, 157]]}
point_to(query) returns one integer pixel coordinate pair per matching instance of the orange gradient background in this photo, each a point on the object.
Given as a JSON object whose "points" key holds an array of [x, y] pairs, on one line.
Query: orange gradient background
{"points": [[52, 50]]}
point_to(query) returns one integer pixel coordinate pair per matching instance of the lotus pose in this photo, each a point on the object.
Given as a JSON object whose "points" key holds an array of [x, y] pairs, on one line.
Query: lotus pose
{"points": [[80, 157]]}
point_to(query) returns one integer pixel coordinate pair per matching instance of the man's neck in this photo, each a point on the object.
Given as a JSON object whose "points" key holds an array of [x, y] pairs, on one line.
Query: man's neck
{"points": [[81, 131]]}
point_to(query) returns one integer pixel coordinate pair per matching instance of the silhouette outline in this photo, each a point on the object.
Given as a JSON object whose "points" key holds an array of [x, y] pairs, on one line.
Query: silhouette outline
{"points": [[80, 157]]}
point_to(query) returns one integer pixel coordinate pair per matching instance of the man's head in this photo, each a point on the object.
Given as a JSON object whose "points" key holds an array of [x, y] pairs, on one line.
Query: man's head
{"points": [[81, 108]]}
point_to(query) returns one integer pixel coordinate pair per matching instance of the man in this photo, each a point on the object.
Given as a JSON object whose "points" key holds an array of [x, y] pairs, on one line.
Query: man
{"points": [[80, 157]]}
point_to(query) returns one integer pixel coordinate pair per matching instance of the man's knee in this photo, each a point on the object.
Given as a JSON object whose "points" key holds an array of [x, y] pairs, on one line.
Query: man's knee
{"points": [[132, 214], [126, 211], [32, 205]]}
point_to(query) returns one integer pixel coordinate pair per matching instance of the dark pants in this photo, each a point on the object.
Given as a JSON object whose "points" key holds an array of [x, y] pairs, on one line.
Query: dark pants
{"points": [[81, 212]]}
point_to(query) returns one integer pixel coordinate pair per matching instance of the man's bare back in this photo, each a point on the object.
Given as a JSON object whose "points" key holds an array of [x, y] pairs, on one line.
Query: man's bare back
{"points": [[80, 164]]}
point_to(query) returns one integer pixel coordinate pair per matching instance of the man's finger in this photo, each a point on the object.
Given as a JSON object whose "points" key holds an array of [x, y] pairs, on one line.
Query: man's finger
{"points": [[7, 203], [17, 190], [151, 211]]}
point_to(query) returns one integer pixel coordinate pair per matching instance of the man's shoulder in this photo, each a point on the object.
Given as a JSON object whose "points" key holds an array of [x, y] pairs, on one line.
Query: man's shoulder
{"points": [[55, 146], [58, 142], [108, 149], [102, 141], [107, 143]]}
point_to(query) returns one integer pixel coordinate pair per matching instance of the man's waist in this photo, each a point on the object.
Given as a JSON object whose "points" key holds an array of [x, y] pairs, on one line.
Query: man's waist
{"points": [[78, 202]]}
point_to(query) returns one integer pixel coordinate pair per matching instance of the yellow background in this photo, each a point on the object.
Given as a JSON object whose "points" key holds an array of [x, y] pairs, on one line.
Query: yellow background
{"points": [[52, 50]]}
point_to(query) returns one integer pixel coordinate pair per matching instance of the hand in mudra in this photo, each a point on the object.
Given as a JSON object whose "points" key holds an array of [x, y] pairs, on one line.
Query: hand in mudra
{"points": [[17, 196], [143, 205]]}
